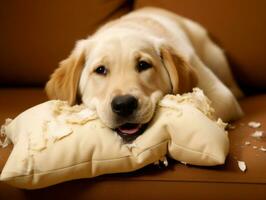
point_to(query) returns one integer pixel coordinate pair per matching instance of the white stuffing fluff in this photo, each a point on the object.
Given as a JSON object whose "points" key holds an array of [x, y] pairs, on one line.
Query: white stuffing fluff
{"points": [[131, 145], [37, 142], [263, 149], [156, 162], [163, 160], [57, 131], [78, 114], [3, 127], [57, 126], [196, 98], [222, 124], [6, 141], [230, 127], [242, 166], [82, 117], [253, 124], [184, 163], [258, 134]]}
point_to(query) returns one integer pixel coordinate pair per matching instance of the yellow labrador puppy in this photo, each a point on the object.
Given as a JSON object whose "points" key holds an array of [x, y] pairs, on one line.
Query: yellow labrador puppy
{"points": [[127, 66]]}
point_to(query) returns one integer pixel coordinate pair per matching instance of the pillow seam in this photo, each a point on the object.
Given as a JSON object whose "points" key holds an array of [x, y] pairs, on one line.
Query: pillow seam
{"points": [[89, 161], [198, 152]]}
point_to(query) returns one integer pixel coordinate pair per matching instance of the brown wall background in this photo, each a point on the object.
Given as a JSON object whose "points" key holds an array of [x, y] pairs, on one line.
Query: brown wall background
{"points": [[36, 35]]}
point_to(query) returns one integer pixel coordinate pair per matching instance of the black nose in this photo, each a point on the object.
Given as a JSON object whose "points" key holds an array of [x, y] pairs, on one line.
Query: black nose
{"points": [[124, 105]]}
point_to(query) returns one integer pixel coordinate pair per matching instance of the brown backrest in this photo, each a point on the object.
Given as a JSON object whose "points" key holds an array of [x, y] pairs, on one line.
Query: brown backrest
{"points": [[239, 26], [36, 35]]}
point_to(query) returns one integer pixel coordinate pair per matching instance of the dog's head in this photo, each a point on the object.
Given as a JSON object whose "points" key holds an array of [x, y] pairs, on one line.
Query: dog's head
{"points": [[122, 78]]}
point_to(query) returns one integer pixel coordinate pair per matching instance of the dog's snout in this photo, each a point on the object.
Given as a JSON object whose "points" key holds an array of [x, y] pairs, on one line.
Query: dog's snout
{"points": [[124, 105]]}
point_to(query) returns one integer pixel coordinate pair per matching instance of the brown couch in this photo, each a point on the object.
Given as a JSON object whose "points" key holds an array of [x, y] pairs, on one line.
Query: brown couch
{"points": [[36, 35]]}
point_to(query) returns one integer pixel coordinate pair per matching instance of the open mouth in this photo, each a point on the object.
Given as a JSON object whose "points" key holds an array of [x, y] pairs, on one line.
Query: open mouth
{"points": [[130, 132]]}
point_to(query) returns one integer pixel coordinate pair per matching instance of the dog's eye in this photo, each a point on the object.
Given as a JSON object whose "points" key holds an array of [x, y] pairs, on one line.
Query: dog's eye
{"points": [[143, 65], [101, 70]]}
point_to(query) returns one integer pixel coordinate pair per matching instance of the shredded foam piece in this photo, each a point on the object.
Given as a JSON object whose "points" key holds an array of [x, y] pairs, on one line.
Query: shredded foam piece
{"points": [[58, 126], [169, 101], [221, 123], [37, 142], [131, 145], [78, 114], [58, 131], [247, 143], [62, 107], [242, 166], [58, 107], [196, 98], [81, 117], [230, 127], [258, 134], [184, 163], [254, 147], [163, 160], [263, 149], [156, 162], [6, 142], [253, 124], [3, 127]]}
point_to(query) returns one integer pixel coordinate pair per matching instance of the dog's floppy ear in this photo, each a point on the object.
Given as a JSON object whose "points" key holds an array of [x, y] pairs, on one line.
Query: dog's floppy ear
{"points": [[182, 76], [63, 83]]}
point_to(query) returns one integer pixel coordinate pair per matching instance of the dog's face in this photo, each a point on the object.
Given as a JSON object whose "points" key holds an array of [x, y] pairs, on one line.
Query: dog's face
{"points": [[122, 78]]}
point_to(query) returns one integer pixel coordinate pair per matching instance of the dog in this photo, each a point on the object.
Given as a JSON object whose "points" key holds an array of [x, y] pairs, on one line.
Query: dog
{"points": [[129, 64]]}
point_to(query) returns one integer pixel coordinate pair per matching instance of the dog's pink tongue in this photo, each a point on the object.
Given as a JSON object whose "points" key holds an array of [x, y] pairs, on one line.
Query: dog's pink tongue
{"points": [[130, 129]]}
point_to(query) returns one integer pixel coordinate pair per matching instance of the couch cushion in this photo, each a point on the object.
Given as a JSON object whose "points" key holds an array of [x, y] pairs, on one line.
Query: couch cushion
{"points": [[238, 26], [177, 180], [36, 35]]}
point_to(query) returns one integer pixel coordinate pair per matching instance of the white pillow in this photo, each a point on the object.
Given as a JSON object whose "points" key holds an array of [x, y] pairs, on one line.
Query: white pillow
{"points": [[54, 142]]}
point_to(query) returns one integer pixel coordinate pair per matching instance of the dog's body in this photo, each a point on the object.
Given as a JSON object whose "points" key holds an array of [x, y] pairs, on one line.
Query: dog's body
{"points": [[129, 64]]}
